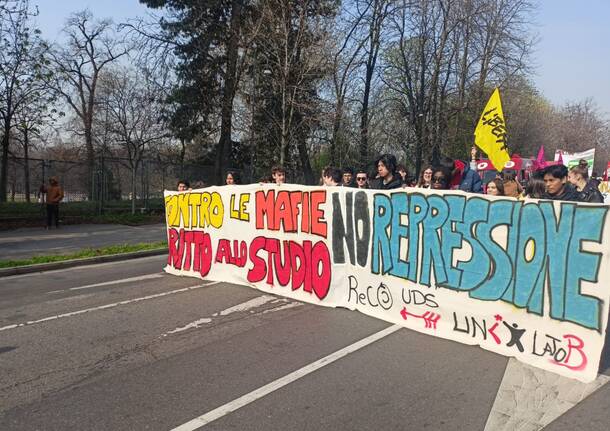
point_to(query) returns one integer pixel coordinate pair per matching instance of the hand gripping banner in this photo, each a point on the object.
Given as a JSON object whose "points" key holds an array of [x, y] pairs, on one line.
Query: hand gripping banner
{"points": [[529, 279]]}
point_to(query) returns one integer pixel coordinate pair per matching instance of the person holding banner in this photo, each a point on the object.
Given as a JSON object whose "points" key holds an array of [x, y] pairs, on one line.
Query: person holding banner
{"points": [[441, 178], [578, 177], [557, 187], [425, 178], [278, 174], [348, 177], [495, 187], [512, 188], [535, 188], [183, 186], [362, 179], [387, 177], [232, 178], [332, 177]]}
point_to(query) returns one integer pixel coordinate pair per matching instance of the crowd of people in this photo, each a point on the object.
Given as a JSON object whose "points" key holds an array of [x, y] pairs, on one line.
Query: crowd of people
{"points": [[554, 182]]}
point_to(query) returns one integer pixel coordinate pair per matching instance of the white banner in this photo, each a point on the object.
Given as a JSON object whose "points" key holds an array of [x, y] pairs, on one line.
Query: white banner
{"points": [[572, 159], [526, 279]]}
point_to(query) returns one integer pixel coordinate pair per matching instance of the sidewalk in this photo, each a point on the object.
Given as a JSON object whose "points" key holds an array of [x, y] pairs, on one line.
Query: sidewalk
{"points": [[25, 243]]}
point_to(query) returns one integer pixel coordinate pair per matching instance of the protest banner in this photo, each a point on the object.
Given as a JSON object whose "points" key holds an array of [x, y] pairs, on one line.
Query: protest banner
{"points": [[528, 279], [572, 159]]}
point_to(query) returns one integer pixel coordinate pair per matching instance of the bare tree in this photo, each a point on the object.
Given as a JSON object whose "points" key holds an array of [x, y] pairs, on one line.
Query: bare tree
{"points": [[294, 49], [379, 11], [21, 56], [418, 69], [134, 117], [91, 46], [346, 59], [31, 119]]}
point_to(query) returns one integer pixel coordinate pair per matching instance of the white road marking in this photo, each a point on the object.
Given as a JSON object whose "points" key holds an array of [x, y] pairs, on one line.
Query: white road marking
{"points": [[248, 398], [80, 268], [244, 306], [529, 398], [191, 325], [104, 307], [283, 307], [108, 283]]}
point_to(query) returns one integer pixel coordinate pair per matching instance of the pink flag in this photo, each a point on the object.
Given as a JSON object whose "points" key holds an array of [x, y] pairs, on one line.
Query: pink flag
{"points": [[539, 163], [560, 159]]}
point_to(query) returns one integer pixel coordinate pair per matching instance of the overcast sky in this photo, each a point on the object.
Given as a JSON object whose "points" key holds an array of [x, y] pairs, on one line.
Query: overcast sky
{"points": [[572, 58]]}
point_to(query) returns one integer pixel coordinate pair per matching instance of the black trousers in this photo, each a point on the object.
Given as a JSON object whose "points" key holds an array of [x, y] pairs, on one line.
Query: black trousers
{"points": [[52, 214]]}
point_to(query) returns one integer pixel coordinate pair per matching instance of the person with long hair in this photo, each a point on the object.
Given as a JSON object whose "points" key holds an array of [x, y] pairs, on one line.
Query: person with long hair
{"points": [[535, 188], [425, 178], [512, 188], [232, 178], [495, 187]]}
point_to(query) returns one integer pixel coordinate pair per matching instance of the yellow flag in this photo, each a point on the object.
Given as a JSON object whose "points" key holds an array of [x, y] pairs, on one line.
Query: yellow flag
{"points": [[490, 134]]}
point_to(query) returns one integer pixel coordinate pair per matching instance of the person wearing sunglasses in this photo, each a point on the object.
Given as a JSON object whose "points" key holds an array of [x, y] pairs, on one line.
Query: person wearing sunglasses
{"points": [[362, 180], [441, 178]]}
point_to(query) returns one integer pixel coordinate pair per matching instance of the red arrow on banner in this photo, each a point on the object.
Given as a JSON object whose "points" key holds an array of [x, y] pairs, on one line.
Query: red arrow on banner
{"points": [[428, 317]]}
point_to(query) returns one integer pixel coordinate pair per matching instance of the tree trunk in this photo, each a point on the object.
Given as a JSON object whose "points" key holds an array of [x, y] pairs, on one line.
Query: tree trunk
{"points": [[306, 163], [303, 132], [26, 164], [230, 83], [133, 188], [90, 154], [4, 161], [182, 154], [283, 132], [364, 119], [336, 132]]}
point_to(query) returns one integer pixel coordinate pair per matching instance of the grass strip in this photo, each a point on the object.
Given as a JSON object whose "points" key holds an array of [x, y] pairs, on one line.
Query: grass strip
{"points": [[87, 252]]}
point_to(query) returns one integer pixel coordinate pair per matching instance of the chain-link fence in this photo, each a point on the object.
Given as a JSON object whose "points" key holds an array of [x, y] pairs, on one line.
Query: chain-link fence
{"points": [[110, 181]]}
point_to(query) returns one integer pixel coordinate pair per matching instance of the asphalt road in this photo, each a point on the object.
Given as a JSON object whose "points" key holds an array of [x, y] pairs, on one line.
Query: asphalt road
{"points": [[121, 346], [25, 243]]}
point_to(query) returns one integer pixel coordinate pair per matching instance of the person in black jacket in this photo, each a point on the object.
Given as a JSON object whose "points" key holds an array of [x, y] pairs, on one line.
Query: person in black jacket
{"points": [[557, 186], [362, 179], [348, 177], [331, 176], [387, 178], [578, 177]]}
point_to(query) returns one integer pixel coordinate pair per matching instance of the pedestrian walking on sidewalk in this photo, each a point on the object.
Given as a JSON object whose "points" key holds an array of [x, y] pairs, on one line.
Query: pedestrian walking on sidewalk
{"points": [[54, 195]]}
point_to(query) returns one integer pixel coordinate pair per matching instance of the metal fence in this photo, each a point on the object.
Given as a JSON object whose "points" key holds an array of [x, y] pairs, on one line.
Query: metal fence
{"points": [[109, 181]]}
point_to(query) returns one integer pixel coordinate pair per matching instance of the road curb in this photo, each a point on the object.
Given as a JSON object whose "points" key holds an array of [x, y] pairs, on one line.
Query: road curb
{"points": [[28, 269]]}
